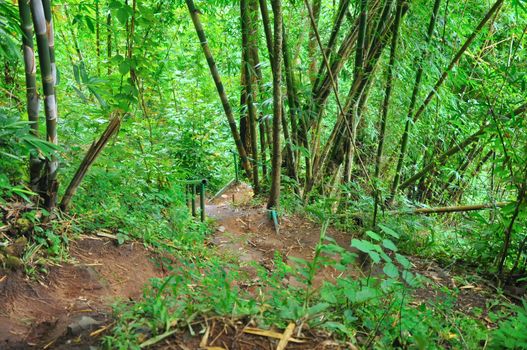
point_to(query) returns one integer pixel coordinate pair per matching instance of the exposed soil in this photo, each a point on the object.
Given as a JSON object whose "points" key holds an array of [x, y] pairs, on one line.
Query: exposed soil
{"points": [[246, 232], [49, 313]]}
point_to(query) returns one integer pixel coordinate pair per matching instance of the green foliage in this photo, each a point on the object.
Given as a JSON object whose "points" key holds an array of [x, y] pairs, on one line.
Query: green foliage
{"points": [[512, 332], [16, 144]]}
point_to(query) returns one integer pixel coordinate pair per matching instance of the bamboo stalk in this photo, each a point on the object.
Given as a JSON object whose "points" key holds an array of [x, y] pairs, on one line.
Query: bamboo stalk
{"points": [[312, 42], [291, 99], [109, 41], [451, 209], [456, 148], [413, 99], [194, 14], [444, 157], [50, 185], [32, 102], [98, 36], [248, 84], [386, 102], [404, 142], [274, 196], [90, 157], [51, 37], [341, 11]]}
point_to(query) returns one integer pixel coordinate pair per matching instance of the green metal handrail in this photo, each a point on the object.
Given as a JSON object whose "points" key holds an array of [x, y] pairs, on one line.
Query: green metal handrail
{"points": [[190, 195], [236, 169]]}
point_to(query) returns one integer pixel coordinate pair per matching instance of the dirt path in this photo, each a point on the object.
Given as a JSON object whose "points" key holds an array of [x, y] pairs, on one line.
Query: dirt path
{"points": [[75, 298], [246, 232]]}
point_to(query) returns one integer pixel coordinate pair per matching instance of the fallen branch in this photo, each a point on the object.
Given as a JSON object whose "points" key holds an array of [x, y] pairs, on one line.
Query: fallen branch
{"points": [[452, 209], [269, 334], [286, 337], [89, 159]]}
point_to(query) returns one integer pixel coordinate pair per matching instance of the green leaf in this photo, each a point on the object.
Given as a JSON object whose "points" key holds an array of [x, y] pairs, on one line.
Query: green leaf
{"points": [[391, 270], [373, 235], [374, 256], [122, 15], [299, 261], [365, 294], [388, 244], [409, 278], [385, 257], [318, 308], [89, 23], [389, 231], [124, 67], [363, 246], [403, 261]]}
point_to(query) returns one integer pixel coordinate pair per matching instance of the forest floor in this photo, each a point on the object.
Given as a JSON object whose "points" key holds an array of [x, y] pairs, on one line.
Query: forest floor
{"points": [[70, 308], [75, 298]]}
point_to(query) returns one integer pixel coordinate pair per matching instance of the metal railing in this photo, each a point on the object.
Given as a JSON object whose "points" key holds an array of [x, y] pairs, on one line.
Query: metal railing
{"points": [[191, 188]]}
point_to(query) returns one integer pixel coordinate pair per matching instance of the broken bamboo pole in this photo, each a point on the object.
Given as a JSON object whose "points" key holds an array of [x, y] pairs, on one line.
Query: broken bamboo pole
{"points": [[450, 209]]}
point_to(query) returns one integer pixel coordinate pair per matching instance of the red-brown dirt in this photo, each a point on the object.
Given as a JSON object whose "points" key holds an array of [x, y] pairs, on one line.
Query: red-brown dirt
{"points": [[38, 313]]}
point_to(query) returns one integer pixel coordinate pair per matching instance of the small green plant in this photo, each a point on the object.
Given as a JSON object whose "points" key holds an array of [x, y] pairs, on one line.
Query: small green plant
{"points": [[512, 333]]}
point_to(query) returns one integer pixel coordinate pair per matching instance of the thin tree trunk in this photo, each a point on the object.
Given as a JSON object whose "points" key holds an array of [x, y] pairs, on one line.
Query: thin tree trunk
{"points": [[249, 92], [386, 104], [262, 123], [98, 36], [290, 157], [444, 157], [452, 209], [194, 13], [267, 29], [274, 197], [456, 148], [244, 122], [90, 157], [109, 41], [509, 229], [51, 38], [266, 22], [342, 9], [30, 68], [312, 43], [404, 142], [50, 184], [415, 92], [292, 100]]}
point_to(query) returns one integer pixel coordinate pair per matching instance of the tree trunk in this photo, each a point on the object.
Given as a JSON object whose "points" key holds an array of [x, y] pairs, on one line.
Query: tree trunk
{"points": [[98, 36], [49, 183], [404, 142], [341, 12], [30, 68], [109, 41], [90, 157], [274, 197], [246, 62], [194, 13], [312, 43], [415, 92], [386, 105], [51, 38]]}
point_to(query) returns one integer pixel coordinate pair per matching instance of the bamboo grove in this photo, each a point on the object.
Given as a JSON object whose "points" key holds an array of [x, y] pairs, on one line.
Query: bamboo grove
{"points": [[325, 147], [375, 104]]}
